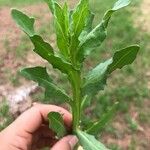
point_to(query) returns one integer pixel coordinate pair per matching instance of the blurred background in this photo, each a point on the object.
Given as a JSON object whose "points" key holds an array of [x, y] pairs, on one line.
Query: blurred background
{"points": [[130, 128]]}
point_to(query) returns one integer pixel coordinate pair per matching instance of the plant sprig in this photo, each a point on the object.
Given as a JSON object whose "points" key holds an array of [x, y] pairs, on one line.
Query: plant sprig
{"points": [[76, 39]]}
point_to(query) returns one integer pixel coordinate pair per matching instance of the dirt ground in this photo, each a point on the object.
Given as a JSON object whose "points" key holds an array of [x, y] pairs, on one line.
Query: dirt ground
{"points": [[10, 38], [144, 18]]}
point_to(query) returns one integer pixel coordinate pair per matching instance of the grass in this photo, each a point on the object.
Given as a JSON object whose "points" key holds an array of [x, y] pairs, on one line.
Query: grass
{"points": [[17, 2], [128, 86], [5, 117]]}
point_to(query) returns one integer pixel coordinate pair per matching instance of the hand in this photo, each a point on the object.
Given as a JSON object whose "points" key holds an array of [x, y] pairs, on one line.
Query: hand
{"points": [[30, 131]]}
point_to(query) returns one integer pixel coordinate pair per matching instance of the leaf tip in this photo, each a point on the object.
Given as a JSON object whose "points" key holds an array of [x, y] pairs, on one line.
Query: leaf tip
{"points": [[120, 4]]}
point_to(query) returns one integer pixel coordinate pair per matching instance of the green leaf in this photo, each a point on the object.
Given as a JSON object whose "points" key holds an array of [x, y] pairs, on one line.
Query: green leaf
{"points": [[93, 40], [80, 16], [62, 28], [40, 75], [98, 126], [46, 52], [40, 44], [42, 48], [123, 57], [50, 4], [23, 21], [96, 37], [88, 26], [97, 77], [120, 4], [66, 16], [56, 123], [88, 142]]}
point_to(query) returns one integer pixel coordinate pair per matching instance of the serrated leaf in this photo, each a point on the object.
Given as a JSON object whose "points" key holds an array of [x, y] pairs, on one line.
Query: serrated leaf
{"points": [[50, 4], [56, 123], [43, 49], [40, 75], [95, 38], [97, 77], [23, 21], [62, 28], [98, 126], [88, 142]]}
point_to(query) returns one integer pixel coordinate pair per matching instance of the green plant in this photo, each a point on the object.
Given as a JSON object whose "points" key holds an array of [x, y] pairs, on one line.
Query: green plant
{"points": [[133, 125], [5, 116], [76, 39]]}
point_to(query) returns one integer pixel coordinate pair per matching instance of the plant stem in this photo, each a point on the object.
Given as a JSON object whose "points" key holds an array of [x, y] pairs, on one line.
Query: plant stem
{"points": [[75, 78]]}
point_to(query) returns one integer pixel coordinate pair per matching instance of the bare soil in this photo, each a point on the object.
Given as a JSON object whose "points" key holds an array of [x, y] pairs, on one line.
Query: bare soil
{"points": [[10, 38], [144, 19]]}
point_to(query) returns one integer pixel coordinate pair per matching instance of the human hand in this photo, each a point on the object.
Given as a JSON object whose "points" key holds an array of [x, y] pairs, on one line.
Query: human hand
{"points": [[30, 131]]}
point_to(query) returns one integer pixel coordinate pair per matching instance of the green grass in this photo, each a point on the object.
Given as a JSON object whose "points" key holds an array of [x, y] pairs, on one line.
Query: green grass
{"points": [[144, 117], [17, 2], [128, 86], [5, 117]]}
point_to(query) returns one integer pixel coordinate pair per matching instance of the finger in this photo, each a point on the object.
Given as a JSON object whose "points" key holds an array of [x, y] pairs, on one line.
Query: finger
{"points": [[66, 143], [33, 118]]}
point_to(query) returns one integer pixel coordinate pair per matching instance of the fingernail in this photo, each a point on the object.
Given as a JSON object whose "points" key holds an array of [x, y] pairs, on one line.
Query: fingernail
{"points": [[73, 142]]}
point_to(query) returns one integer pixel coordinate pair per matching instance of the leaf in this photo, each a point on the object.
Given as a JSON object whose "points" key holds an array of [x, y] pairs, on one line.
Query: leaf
{"points": [[98, 126], [88, 142], [62, 28], [46, 52], [23, 21], [88, 26], [50, 4], [56, 123], [123, 57], [66, 16], [40, 44], [42, 48], [96, 79], [80, 16], [40, 75], [95, 38], [120, 4]]}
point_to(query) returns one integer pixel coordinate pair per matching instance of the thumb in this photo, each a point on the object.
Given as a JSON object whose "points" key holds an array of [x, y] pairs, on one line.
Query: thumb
{"points": [[66, 143]]}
